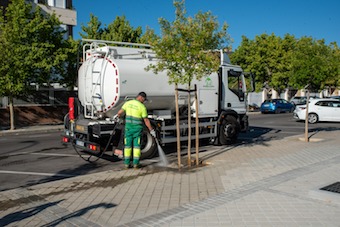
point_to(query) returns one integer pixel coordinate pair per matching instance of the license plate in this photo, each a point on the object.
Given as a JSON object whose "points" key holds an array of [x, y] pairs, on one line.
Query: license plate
{"points": [[80, 128], [80, 143]]}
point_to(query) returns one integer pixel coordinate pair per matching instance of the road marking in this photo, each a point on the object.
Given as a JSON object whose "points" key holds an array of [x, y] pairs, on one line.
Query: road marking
{"points": [[40, 135], [38, 174], [46, 154], [54, 154]]}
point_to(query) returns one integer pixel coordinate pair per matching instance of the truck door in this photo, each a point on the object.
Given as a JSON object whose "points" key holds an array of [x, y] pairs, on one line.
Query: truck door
{"points": [[233, 89]]}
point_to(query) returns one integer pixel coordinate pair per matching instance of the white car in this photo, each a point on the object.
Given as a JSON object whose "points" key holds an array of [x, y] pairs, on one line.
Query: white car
{"points": [[319, 110]]}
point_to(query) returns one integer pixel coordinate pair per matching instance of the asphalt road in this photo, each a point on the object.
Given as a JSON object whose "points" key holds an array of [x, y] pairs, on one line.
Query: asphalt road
{"points": [[265, 127], [38, 158]]}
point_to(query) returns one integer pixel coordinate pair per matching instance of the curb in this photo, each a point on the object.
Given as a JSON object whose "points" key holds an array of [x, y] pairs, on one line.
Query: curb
{"points": [[28, 130]]}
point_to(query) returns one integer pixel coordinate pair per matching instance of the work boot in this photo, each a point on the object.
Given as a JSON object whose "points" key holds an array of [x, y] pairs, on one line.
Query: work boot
{"points": [[127, 161], [127, 166], [137, 166]]}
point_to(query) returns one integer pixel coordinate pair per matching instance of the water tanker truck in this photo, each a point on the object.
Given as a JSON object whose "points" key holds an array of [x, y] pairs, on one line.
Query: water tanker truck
{"points": [[113, 72]]}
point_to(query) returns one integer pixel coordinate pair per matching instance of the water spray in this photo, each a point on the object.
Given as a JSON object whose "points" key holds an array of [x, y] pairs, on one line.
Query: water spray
{"points": [[161, 154]]}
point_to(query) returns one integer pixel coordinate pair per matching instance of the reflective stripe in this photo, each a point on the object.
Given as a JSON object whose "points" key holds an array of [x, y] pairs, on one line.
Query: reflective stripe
{"points": [[133, 120]]}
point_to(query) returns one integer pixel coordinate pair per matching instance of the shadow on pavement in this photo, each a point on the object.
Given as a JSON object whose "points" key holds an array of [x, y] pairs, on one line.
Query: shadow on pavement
{"points": [[26, 213], [67, 173], [78, 213], [29, 212]]}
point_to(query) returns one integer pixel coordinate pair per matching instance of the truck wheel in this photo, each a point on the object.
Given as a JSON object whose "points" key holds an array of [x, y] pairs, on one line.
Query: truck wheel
{"points": [[229, 130], [148, 145]]}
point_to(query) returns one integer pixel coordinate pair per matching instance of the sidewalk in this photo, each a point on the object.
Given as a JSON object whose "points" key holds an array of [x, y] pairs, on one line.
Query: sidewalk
{"points": [[272, 183]]}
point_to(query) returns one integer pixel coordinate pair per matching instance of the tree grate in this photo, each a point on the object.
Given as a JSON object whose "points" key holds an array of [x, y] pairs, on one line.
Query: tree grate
{"points": [[335, 187]]}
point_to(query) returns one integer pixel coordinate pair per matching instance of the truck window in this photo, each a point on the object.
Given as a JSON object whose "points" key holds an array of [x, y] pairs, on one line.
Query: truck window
{"points": [[235, 83]]}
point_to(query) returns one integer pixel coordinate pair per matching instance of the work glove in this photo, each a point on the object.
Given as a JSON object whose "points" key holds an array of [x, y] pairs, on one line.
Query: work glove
{"points": [[153, 133]]}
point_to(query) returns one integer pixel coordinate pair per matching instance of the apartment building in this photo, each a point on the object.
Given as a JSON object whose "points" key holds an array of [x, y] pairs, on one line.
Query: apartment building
{"points": [[62, 8]]}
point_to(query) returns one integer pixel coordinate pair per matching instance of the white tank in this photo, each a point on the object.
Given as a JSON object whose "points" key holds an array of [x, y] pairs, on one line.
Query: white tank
{"points": [[106, 81], [110, 75]]}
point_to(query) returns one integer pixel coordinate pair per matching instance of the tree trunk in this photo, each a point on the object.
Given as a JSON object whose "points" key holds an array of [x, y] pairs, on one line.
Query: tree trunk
{"points": [[189, 127], [11, 112]]}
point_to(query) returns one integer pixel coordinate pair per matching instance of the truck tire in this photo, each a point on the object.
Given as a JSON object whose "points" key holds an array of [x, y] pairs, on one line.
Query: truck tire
{"points": [[148, 145], [229, 130]]}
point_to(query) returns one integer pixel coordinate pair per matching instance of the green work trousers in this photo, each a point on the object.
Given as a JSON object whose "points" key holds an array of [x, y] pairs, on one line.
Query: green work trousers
{"points": [[132, 141]]}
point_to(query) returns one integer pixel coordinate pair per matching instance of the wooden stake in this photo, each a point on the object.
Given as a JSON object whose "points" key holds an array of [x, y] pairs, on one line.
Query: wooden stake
{"points": [[177, 129], [306, 121], [189, 128]]}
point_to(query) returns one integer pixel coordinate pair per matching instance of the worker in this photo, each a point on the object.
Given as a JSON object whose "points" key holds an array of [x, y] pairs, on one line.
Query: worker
{"points": [[135, 115]]}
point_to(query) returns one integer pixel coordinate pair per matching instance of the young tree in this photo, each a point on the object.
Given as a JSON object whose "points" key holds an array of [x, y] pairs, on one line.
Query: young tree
{"points": [[184, 50], [185, 47], [32, 45]]}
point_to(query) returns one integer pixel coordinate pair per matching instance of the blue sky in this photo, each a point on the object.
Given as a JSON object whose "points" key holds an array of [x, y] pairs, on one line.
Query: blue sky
{"points": [[313, 18]]}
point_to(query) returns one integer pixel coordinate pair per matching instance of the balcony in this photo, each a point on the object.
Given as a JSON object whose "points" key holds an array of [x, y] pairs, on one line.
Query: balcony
{"points": [[66, 16]]}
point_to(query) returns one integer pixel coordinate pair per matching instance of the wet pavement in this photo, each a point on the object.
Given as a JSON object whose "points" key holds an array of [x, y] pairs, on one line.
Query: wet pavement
{"points": [[269, 183]]}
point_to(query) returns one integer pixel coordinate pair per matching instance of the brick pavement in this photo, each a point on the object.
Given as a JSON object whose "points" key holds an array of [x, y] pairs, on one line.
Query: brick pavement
{"points": [[270, 183]]}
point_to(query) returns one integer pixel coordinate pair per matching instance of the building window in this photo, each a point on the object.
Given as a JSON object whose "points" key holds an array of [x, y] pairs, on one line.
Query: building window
{"points": [[60, 4]]}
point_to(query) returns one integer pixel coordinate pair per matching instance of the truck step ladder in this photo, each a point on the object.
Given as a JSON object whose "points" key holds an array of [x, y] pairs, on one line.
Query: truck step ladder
{"points": [[95, 102]]}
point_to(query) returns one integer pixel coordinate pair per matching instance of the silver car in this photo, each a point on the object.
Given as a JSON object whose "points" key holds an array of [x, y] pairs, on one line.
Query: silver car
{"points": [[319, 110], [301, 100]]}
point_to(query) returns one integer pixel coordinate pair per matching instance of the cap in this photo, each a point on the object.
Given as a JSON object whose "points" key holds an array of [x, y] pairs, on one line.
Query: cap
{"points": [[143, 94]]}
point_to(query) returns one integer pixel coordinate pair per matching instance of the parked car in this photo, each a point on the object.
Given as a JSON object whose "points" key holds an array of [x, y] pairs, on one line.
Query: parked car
{"points": [[319, 110], [276, 106], [334, 97], [301, 100]]}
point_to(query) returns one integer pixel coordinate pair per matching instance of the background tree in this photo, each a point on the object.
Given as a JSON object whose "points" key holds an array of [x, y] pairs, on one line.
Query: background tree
{"points": [[268, 57], [335, 64], [280, 79], [93, 29], [69, 70], [120, 30], [32, 44], [289, 62], [149, 36], [312, 64]]}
